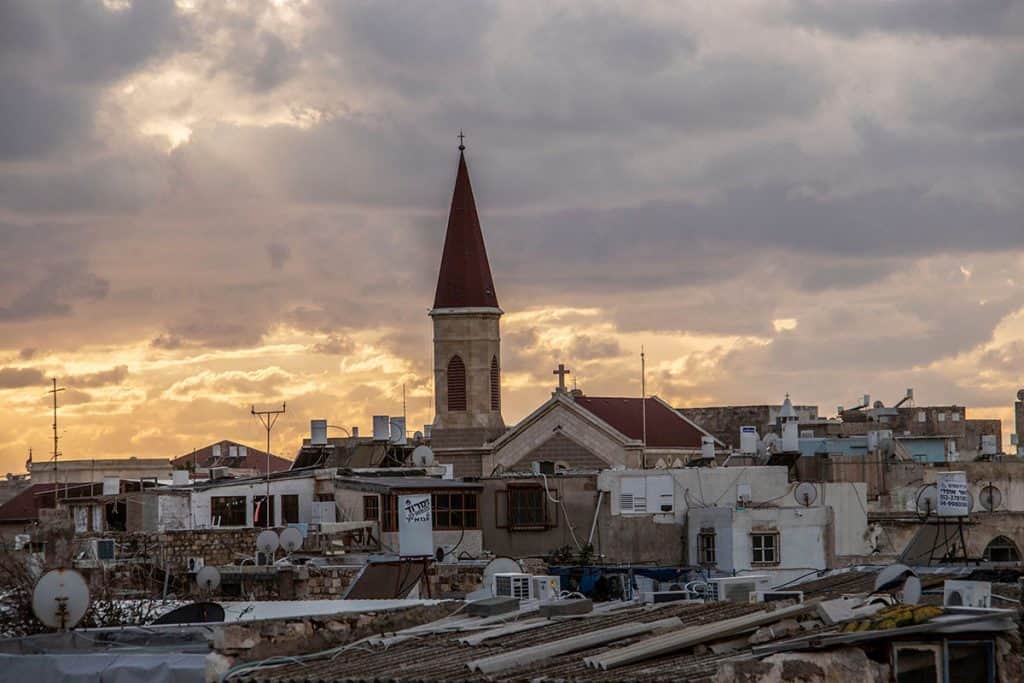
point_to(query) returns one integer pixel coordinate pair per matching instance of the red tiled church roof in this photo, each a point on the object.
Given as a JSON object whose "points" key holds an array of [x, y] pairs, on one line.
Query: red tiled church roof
{"points": [[464, 280], [665, 427], [25, 505], [254, 459]]}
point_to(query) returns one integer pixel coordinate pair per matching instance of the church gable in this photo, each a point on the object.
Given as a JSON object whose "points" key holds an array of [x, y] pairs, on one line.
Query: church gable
{"points": [[560, 448], [592, 442]]}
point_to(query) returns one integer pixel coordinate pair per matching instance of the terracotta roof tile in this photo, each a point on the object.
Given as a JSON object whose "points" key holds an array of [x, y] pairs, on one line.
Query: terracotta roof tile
{"points": [[665, 427]]}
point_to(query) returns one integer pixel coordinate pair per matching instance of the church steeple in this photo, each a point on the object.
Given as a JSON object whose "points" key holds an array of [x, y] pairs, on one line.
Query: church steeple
{"points": [[467, 335], [464, 280]]}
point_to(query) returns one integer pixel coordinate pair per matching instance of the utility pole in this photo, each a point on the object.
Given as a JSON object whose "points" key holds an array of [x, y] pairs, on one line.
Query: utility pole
{"points": [[643, 407], [268, 418], [56, 438]]}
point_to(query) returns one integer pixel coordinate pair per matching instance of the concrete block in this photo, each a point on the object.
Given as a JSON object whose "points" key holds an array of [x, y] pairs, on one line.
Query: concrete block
{"points": [[566, 608], [490, 607]]}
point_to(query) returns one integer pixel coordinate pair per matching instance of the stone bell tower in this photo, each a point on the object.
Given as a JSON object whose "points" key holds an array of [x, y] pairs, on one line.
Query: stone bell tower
{"points": [[467, 339]]}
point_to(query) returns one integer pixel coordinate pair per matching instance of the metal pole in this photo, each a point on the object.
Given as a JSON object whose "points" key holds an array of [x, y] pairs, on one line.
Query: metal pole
{"points": [[643, 406]]}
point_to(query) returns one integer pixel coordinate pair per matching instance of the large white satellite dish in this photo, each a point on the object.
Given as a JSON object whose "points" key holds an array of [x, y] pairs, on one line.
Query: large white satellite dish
{"points": [[806, 493], [291, 539], [208, 578], [422, 456], [911, 590], [991, 498], [60, 599], [927, 501], [500, 565], [268, 541]]}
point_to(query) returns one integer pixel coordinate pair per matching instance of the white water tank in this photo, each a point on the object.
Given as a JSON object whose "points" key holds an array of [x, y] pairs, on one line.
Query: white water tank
{"points": [[318, 432], [111, 486], [790, 436], [398, 431], [748, 440], [707, 447], [381, 428]]}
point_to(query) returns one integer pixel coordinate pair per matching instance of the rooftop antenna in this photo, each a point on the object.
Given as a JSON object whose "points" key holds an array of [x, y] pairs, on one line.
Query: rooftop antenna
{"points": [[643, 407], [56, 437], [268, 418]]}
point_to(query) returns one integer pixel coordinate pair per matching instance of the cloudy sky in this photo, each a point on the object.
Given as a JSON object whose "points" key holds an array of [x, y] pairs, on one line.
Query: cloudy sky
{"points": [[205, 205]]}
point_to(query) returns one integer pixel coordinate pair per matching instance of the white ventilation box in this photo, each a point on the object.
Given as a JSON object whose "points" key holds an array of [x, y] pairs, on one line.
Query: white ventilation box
{"points": [[547, 588], [512, 585], [967, 594], [632, 495], [773, 596], [179, 478], [737, 588], [195, 564], [743, 494]]}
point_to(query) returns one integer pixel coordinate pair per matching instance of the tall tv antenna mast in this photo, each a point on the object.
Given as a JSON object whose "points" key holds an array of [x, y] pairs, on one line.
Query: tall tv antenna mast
{"points": [[268, 418], [56, 437], [643, 406]]}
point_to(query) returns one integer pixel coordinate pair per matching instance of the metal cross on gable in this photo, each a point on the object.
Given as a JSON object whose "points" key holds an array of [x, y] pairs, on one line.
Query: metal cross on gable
{"points": [[562, 371], [462, 140]]}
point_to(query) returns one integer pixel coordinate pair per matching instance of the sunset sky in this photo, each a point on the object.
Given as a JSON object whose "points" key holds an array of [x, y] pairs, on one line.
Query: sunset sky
{"points": [[205, 205]]}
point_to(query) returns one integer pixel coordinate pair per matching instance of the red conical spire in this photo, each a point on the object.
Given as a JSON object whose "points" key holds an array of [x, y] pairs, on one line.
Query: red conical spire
{"points": [[465, 277]]}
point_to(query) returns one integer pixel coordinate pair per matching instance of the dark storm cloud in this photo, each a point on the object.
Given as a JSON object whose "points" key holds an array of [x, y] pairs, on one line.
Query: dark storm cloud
{"points": [[53, 294], [940, 17], [115, 375], [17, 378], [278, 254], [55, 57]]}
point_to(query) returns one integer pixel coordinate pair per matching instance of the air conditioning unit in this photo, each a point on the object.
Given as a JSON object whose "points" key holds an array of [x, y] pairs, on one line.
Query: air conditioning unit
{"points": [[103, 549], [736, 588], [546, 588], [658, 597], [195, 564], [512, 585], [774, 596], [967, 594]]}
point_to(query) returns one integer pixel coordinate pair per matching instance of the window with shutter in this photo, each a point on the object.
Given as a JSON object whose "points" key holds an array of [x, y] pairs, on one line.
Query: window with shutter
{"points": [[495, 385], [456, 384]]}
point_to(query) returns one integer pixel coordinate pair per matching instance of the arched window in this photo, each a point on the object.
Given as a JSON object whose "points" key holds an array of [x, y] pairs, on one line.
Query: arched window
{"points": [[1001, 549], [456, 384], [495, 385]]}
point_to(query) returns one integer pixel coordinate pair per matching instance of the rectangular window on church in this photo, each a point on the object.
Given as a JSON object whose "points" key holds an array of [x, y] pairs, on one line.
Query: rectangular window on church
{"points": [[527, 508]]}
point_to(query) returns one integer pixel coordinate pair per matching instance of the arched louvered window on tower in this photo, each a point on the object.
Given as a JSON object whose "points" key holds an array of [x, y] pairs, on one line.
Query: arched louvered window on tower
{"points": [[495, 385], [456, 384]]}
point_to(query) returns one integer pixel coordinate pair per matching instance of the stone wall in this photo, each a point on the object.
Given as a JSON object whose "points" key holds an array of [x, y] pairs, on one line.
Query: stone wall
{"points": [[453, 580], [171, 549]]}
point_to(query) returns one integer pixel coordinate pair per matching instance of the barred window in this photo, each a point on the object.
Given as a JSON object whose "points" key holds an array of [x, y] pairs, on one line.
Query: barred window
{"points": [[527, 507], [495, 385], [764, 548], [706, 555], [456, 384]]}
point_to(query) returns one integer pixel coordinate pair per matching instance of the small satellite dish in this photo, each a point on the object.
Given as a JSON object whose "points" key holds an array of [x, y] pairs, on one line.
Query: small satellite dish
{"points": [[439, 554], [892, 578], [422, 456], [60, 599], [268, 541], [990, 498], [927, 501], [208, 578], [806, 493], [912, 590], [291, 539], [500, 565]]}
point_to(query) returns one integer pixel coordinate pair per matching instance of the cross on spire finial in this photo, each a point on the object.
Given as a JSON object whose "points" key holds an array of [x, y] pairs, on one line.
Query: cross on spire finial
{"points": [[462, 139], [562, 371]]}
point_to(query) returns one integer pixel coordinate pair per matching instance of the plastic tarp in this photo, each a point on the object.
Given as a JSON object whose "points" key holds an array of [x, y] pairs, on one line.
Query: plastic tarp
{"points": [[107, 667]]}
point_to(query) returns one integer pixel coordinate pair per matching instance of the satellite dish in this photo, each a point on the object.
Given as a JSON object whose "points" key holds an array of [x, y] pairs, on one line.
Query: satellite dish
{"points": [[268, 541], [927, 501], [892, 578], [991, 498], [912, 590], [291, 539], [60, 599], [208, 578], [806, 493], [500, 565], [422, 456]]}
